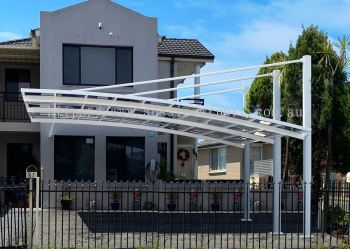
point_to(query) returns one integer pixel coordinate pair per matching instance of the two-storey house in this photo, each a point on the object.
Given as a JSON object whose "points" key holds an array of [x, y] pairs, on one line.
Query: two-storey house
{"points": [[94, 43]]}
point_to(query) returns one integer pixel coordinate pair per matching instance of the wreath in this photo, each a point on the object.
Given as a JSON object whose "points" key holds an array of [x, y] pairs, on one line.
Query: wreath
{"points": [[183, 155]]}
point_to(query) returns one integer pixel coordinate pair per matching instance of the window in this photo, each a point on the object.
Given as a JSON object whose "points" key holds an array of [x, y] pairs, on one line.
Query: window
{"points": [[15, 79], [218, 158], [125, 158], [89, 65], [256, 152], [74, 158]]}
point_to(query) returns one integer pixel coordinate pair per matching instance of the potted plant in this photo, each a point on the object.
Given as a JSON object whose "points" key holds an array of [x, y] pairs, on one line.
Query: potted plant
{"points": [[115, 204], [172, 197], [300, 201], [136, 199], [258, 205], [66, 201], [193, 200], [216, 198], [93, 204], [237, 202]]}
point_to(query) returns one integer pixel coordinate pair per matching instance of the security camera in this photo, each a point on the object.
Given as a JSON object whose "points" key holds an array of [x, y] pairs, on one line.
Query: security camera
{"points": [[100, 25]]}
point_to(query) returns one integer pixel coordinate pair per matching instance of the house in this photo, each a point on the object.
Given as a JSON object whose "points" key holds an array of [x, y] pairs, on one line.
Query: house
{"points": [[224, 162], [93, 43]]}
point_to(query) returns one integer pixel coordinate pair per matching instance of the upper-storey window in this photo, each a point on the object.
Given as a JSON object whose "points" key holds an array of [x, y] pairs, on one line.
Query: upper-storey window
{"points": [[15, 79], [91, 65]]}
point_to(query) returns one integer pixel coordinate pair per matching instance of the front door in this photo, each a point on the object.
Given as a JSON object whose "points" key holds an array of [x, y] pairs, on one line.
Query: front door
{"points": [[19, 157]]}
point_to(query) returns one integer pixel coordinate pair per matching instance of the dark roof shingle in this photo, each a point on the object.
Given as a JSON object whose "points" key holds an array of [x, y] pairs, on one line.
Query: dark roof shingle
{"points": [[167, 47], [26, 42], [190, 48]]}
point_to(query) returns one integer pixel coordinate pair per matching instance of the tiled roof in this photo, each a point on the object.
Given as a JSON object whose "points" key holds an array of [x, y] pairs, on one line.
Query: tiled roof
{"points": [[190, 48], [167, 47], [26, 42]]}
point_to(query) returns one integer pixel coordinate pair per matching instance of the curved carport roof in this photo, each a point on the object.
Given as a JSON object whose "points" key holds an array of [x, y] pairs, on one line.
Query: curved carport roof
{"points": [[119, 110]]}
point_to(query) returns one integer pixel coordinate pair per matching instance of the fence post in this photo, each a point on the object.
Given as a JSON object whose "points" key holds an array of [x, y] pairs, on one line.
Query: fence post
{"points": [[37, 197], [31, 213], [276, 155], [3, 107], [307, 144], [246, 184]]}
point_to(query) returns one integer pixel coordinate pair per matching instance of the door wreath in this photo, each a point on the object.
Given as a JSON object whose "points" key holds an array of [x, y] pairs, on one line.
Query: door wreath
{"points": [[183, 155]]}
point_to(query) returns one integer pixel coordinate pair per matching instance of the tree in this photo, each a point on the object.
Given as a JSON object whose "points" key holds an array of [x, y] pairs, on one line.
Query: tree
{"points": [[336, 65], [259, 96], [327, 106]]}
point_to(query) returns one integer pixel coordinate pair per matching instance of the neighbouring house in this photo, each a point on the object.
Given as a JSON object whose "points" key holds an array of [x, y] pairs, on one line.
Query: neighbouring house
{"points": [[223, 162], [93, 43]]}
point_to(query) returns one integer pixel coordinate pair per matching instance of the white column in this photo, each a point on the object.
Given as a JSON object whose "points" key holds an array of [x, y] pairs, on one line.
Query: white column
{"points": [[276, 155], [307, 145], [246, 184], [197, 80], [196, 91]]}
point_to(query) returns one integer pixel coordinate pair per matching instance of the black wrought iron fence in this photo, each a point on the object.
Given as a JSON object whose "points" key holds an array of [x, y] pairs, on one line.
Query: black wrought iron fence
{"points": [[196, 214], [13, 214], [12, 107]]}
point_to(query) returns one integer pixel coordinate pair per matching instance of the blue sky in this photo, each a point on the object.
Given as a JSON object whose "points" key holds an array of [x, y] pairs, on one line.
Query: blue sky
{"points": [[239, 33]]}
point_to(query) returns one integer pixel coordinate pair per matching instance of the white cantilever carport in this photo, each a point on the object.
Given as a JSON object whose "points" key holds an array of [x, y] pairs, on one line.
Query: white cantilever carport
{"points": [[89, 107]]}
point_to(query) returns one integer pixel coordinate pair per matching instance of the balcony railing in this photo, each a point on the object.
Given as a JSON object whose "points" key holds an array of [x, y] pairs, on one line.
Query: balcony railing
{"points": [[12, 108]]}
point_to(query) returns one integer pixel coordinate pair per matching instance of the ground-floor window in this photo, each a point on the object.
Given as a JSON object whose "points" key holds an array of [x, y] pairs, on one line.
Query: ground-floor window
{"points": [[125, 158], [74, 158], [218, 158], [256, 152]]}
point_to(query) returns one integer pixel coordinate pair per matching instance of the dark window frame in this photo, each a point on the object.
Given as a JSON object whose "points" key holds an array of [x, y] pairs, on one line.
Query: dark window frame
{"points": [[96, 46], [19, 96], [123, 141], [74, 136]]}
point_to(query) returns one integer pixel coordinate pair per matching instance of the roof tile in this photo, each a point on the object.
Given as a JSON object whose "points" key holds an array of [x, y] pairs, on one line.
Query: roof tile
{"points": [[27, 42], [167, 47], [190, 48]]}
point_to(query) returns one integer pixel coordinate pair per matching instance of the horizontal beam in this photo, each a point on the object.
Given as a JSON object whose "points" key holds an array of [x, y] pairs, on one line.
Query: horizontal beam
{"points": [[99, 88], [132, 126], [201, 85], [85, 112], [209, 93], [198, 112]]}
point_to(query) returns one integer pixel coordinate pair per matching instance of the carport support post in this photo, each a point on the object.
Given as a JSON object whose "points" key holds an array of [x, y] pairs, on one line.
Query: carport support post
{"points": [[276, 229], [246, 184], [307, 145], [197, 81]]}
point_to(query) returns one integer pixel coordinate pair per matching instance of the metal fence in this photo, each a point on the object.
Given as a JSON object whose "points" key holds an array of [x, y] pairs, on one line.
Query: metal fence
{"points": [[12, 108], [13, 214], [181, 214]]}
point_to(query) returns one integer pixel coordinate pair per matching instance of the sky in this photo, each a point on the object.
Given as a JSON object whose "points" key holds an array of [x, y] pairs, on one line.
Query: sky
{"points": [[239, 33]]}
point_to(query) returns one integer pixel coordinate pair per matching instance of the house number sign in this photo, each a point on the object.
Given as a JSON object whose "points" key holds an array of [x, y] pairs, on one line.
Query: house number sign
{"points": [[31, 172]]}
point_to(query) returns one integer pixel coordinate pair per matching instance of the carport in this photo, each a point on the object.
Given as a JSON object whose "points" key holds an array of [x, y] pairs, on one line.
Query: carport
{"points": [[143, 110]]}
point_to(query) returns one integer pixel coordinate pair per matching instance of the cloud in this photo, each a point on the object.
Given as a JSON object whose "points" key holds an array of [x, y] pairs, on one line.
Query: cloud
{"points": [[255, 41], [5, 36], [195, 29], [242, 33]]}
